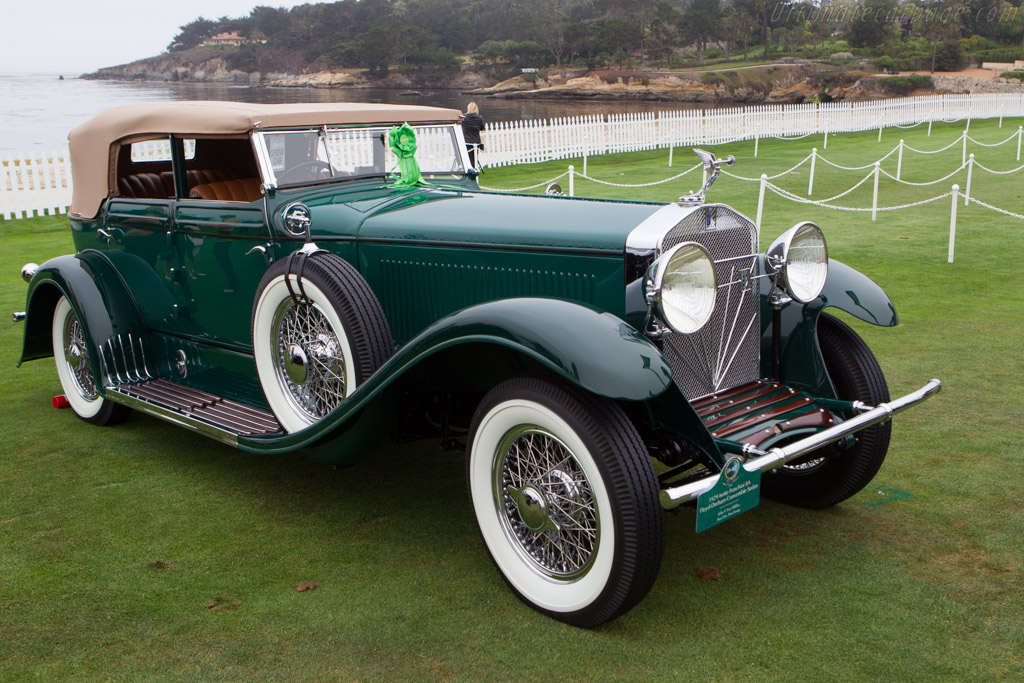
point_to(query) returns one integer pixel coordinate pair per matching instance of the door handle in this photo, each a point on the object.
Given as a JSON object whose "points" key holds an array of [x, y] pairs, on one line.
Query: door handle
{"points": [[268, 257]]}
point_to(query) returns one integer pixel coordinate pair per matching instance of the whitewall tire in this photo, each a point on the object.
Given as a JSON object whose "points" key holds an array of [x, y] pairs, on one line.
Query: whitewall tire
{"points": [[565, 499], [71, 356]]}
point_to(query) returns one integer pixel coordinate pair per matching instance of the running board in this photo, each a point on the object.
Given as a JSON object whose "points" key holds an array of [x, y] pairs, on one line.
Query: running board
{"points": [[211, 415]]}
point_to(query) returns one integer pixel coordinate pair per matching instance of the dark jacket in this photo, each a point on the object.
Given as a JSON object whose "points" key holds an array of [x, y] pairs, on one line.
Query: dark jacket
{"points": [[472, 124]]}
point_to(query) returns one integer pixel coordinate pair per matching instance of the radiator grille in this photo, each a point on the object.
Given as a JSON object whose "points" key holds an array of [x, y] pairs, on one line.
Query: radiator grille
{"points": [[726, 351]]}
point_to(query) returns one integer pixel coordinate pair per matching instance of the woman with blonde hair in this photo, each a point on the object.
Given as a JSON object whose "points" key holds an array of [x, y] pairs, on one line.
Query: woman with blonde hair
{"points": [[472, 124]]}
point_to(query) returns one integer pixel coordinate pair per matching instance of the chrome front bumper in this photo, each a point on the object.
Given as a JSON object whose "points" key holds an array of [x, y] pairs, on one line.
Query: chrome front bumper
{"points": [[766, 461]]}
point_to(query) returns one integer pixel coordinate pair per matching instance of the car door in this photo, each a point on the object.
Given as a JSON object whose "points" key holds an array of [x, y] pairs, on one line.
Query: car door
{"points": [[218, 229]]}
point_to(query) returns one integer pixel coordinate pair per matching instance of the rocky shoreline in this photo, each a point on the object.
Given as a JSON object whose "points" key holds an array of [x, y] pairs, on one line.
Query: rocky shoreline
{"points": [[788, 82]]}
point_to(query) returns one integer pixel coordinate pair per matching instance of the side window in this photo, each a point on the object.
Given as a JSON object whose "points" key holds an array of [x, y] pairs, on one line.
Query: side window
{"points": [[144, 169], [223, 169]]}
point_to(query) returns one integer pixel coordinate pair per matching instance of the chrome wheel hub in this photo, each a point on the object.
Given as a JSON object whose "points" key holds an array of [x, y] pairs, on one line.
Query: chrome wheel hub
{"points": [[310, 362], [545, 504], [77, 358], [296, 364], [73, 354]]}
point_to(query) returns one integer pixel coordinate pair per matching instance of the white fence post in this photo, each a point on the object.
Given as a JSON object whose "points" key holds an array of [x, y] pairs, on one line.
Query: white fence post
{"points": [[874, 198], [1020, 136], [879, 129], [586, 152], [929, 126], [970, 172], [5, 199], [572, 181], [810, 182], [952, 223], [757, 139], [825, 144], [760, 202], [899, 160], [963, 155]]}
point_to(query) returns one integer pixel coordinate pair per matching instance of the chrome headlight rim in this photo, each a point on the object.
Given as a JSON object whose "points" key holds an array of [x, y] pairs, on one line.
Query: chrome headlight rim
{"points": [[656, 278], [778, 258]]}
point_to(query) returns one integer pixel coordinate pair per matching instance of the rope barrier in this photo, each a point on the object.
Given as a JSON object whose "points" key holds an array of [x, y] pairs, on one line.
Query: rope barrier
{"points": [[861, 168], [795, 198], [529, 187], [773, 177], [656, 182], [933, 182], [797, 137], [921, 151], [1012, 170], [994, 208], [996, 144]]}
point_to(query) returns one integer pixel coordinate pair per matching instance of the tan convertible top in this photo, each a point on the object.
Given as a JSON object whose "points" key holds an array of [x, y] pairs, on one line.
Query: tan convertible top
{"points": [[94, 144]]}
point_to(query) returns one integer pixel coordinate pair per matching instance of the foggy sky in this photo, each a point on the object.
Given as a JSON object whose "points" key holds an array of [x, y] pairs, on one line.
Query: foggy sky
{"points": [[73, 37]]}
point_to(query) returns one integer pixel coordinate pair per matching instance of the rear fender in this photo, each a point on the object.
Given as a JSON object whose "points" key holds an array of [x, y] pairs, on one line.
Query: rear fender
{"points": [[100, 298], [594, 350]]}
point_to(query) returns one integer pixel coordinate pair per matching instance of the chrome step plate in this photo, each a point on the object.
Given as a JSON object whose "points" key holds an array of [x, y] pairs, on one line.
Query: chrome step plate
{"points": [[214, 415]]}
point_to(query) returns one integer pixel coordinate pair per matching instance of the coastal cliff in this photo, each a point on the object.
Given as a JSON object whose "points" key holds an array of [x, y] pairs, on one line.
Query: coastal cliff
{"points": [[785, 82]]}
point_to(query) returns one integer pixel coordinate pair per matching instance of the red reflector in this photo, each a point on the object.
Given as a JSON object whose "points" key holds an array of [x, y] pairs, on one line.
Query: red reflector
{"points": [[61, 402]]}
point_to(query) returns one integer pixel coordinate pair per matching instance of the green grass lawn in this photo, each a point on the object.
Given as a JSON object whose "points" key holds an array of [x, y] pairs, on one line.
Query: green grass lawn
{"points": [[144, 552]]}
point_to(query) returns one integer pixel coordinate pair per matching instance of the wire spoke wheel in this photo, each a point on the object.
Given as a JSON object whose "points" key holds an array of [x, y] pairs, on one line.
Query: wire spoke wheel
{"points": [[546, 503], [565, 499], [77, 358], [315, 338], [310, 362], [74, 368]]}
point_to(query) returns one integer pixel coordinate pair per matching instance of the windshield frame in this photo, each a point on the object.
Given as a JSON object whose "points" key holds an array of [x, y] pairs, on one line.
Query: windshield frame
{"points": [[271, 181]]}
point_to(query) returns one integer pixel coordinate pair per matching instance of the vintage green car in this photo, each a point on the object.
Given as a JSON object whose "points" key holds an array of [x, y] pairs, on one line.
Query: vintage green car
{"points": [[286, 277]]}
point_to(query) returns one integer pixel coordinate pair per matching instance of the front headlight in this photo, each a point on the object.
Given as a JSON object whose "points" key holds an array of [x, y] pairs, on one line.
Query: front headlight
{"points": [[683, 286], [800, 258]]}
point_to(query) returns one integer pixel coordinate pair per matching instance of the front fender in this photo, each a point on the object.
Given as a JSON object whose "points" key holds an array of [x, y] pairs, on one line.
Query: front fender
{"points": [[854, 292], [802, 364], [100, 299], [594, 350]]}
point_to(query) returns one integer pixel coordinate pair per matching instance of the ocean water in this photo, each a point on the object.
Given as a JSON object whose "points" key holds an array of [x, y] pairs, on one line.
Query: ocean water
{"points": [[38, 110]]}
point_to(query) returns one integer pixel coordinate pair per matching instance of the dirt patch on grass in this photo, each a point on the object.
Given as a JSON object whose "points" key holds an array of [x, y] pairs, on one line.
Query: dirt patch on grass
{"points": [[707, 573], [223, 603]]}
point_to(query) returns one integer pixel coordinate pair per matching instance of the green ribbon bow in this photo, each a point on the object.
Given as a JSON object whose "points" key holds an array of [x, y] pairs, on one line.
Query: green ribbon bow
{"points": [[403, 143]]}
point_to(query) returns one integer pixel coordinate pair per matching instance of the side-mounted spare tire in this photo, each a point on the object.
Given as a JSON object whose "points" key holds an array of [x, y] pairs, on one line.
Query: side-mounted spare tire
{"points": [[318, 332], [831, 475]]}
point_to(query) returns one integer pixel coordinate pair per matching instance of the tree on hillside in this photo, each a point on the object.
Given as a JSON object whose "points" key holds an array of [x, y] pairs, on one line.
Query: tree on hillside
{"points": [[701, 22], [738, 26], [663, 32], [192, 34], [873, 24]]}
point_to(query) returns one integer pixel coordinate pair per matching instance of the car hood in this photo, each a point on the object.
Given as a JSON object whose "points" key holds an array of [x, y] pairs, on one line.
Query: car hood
{"points": [[456, 216]]}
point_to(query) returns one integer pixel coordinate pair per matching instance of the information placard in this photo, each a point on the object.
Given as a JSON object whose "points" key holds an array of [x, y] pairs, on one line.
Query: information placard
{"points": [[736, 491]]}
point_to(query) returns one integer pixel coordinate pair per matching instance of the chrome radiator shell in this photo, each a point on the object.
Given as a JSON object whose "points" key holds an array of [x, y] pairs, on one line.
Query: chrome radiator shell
{"points": [[726, 351]]}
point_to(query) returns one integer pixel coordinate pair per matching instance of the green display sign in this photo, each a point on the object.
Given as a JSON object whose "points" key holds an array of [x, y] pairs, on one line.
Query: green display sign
{"points": [[736, 491]]}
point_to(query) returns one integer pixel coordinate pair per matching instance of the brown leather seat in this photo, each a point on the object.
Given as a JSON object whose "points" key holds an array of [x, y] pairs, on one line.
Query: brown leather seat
{"points": [[235, 190], [147, 185], [199, 176]]}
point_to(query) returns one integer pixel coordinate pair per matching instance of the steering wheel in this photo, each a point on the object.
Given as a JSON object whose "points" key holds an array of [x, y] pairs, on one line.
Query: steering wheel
{"points": [[320, 169]]}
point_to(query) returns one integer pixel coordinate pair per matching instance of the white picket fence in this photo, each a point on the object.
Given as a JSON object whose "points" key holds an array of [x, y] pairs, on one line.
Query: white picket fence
{"points": [[35, 184], [41, 184], [523, 142]]}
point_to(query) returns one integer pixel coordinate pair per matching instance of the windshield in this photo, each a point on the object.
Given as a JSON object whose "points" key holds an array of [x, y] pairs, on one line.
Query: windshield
{"points": [[297, 157]]}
